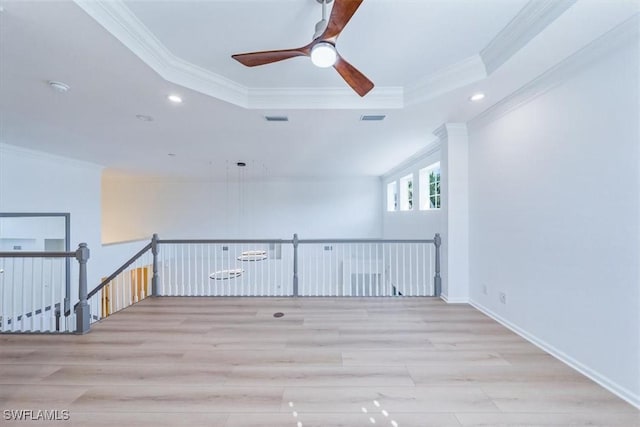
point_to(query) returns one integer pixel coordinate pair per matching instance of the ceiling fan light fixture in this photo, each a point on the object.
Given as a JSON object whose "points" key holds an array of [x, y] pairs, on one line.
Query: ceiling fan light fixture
{"points": [[324, 55], [59, 86]]}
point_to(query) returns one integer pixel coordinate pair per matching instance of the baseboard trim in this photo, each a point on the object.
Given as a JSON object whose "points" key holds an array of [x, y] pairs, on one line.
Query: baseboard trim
{"points": [[603, 381], [448, 300]]}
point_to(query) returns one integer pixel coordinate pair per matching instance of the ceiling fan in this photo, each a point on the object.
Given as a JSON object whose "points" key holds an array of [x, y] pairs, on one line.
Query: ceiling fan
{"points": [[322, 48]]}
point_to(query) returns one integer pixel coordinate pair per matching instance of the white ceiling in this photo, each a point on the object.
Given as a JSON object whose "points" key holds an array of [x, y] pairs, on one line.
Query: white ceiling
{"points": [[95, 121]]}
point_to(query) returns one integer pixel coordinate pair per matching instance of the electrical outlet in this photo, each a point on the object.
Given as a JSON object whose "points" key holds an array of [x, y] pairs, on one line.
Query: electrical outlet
{"points": [[503, 297], [484, 290]]}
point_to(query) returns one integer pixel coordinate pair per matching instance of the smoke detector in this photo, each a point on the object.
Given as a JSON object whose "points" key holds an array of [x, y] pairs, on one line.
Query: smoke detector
{"points": [[59, 86]]}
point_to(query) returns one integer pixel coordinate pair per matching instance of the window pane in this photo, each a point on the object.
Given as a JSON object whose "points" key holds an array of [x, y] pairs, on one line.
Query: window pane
{"points": [[406, 193], [429, 186]]}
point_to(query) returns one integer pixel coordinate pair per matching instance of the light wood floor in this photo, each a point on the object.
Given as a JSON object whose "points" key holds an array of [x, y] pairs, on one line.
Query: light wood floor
{"points": [[327, 362]]}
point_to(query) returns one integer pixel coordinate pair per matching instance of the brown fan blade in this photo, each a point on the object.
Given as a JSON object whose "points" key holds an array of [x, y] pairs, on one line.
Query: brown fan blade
{"points": [[341, 13], [267, 57], [354, 78]]}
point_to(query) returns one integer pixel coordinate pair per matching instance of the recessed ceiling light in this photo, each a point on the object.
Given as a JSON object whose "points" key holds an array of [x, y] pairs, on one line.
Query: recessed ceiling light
{"points": [[477, 97], [175, 99], [59, 86], [144, 118]]}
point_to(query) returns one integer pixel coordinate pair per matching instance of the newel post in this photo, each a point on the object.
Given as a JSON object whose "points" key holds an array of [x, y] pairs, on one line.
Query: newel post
{"points": [[155, 291], [437, 280], [83, 312]]}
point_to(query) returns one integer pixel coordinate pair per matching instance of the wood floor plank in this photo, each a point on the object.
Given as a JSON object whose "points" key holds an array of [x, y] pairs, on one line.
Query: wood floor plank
{"points": [[101, 355], [421, 357], [271, 358], [164, 374], [545, 398], [531, 419], [462, 374], [144, 419], [320, 376], [188, 399], [25, 374]]}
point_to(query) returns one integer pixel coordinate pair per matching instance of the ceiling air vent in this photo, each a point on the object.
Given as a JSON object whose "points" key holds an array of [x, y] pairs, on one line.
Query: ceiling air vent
{"points": [[372, 118], [276, 118]]}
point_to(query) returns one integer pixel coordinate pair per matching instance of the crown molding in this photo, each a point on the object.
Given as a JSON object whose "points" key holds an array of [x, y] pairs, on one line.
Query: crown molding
{"points": [[534, 17], [442, 133], [625, 33], [465, 72]]}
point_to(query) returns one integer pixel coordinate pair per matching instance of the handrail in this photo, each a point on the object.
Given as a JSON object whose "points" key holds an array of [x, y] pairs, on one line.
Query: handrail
{"points": [[222, 241], [290, 241], [26, 254], [119, 270], [366, 241]]}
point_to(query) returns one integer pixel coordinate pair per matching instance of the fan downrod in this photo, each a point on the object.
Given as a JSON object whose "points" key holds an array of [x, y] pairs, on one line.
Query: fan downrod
{"points": [[322, 24]]}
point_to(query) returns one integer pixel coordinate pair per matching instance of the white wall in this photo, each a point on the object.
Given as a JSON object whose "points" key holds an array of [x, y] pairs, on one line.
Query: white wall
{"points": [[32, 181], [136, 208], [554, 220], [414, 224]]}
